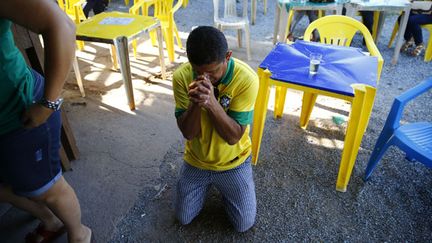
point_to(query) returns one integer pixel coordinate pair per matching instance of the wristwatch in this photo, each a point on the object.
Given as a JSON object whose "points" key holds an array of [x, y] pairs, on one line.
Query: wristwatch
{"points": [[54, 105]]}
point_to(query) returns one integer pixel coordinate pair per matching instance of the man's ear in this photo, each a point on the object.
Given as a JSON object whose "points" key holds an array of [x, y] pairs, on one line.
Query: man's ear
{"points": [[228, 55]]}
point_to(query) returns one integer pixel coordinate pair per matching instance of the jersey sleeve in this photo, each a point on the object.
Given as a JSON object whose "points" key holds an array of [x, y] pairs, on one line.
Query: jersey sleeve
{"points": [[242, 104]]}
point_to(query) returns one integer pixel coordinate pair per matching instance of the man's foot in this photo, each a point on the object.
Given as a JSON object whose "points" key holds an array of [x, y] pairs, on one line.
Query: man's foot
{"points": [[86, 236], [407, 45], [417, 50]]}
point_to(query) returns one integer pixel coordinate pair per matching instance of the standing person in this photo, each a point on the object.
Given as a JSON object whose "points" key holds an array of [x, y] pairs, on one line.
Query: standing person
{"points": [[30, 172], [215, 96], [420, 14], [298, 15]]}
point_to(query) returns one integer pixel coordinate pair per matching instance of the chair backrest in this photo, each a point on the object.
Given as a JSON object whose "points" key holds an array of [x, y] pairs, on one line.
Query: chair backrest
{"points": [[230, 9], [399, 103], [340, 30]]}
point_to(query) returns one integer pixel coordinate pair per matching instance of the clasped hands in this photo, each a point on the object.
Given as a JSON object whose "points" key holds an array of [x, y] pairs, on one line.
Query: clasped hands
{"points": [[201, 92]]}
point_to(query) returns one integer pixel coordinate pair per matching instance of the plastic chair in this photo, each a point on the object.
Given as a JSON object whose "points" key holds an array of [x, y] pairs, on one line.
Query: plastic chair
{"points": [[163, 10], [334, 30], [428, 52], [231, 20], [73, 8], [185, 3], [415, 139]]}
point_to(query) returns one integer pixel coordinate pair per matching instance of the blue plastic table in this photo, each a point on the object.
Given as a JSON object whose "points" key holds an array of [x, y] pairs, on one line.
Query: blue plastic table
{"points": [[345, 73]]}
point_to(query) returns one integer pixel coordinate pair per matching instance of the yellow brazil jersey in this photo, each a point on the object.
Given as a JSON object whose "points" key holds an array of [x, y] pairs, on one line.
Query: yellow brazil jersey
{"points": [[238, 89]]}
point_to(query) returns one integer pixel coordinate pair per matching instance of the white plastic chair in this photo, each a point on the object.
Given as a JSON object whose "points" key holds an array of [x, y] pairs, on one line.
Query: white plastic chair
{"points": [[231, 20]]}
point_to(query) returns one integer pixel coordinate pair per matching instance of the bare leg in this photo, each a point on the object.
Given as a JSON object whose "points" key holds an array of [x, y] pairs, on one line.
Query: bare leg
{"points": [[40, 211], [62, 201]]}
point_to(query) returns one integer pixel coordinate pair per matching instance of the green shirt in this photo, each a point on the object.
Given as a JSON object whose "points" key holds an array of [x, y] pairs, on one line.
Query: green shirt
{"points": [[16, 81], [237, 93]]}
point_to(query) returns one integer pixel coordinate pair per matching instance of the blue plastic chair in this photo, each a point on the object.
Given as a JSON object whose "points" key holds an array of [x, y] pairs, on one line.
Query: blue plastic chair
{"points": [[415, 139]]}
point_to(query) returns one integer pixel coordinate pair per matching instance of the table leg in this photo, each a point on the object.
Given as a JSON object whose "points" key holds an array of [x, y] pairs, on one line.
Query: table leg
{"points": [[161, 53], [276, 24], [339, 10], [260, 112], [253, 11], [350, 10], [121, 44], [359, 117], [283, 24], [399, 40]]}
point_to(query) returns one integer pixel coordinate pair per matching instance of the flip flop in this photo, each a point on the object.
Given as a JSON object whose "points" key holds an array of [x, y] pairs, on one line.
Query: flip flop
{"points": [[47, 236]]}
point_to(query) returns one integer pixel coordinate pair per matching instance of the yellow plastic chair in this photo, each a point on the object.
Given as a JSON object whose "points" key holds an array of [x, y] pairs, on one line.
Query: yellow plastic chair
{"points": [[73, 8], [164, 11], [428, 52], [335, 30]]}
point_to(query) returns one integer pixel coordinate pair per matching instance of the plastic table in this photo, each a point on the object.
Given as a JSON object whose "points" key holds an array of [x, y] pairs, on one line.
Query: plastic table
{"points": [[345, 73]]}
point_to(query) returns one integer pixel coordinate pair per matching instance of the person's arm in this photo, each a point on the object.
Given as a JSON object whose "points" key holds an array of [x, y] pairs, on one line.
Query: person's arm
{"points": [[58, 31], [225, 126]]}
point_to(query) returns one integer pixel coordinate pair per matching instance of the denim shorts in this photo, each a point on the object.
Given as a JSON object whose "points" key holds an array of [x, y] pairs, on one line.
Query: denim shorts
{"points": [[30, 159]]}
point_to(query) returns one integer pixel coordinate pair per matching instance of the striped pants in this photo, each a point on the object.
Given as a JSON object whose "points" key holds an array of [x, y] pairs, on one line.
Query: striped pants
{"points": [[236, 186]]}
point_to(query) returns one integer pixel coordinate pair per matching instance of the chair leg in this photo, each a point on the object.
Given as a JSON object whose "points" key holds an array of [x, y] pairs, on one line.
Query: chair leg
{"points": [[78, 76], [289, 22], [308, 104], [377, 154], [169, 41], [428, 52], [80, 45], [393, 35], [185, 3], [260, 112], [279, 101], [134, 47], [179, 43], [265, 7], [153, 37], [239, 37], [114, 57], [247, 40], [376, 16], [359, 117]]}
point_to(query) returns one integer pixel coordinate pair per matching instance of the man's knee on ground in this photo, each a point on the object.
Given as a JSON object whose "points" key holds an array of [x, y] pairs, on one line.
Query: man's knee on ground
{"points": [[184, 219], [244, 223]]}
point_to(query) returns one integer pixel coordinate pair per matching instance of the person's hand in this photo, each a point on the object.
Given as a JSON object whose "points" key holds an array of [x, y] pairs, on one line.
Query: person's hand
{"points": [[35, 115], [200, 90]]}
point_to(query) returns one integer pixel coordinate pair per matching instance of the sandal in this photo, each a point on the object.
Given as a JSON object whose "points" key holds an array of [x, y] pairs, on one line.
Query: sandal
{"points": [[46, 235], [407, 45], [417, 50]]}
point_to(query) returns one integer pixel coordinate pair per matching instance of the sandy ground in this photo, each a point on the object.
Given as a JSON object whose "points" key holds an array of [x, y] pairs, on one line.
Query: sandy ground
{"points": [[125, 177]]}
